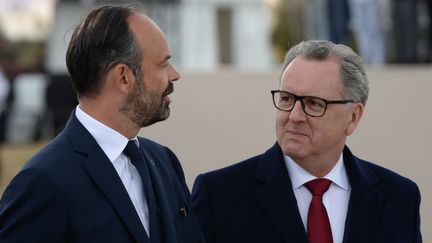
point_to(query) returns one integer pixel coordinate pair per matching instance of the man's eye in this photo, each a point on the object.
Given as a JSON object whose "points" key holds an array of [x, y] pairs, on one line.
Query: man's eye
{"points": [[286, 99], [316, 104]]}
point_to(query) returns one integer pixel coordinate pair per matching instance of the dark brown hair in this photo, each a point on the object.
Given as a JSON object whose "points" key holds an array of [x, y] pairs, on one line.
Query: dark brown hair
{"points": [[103, 39]]}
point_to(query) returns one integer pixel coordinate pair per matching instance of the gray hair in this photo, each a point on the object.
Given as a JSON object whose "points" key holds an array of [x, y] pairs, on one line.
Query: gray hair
{"points": [[354, 80]]}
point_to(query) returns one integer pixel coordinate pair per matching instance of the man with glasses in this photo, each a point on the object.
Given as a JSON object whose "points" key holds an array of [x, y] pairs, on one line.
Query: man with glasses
{"points": [[309, 187]]}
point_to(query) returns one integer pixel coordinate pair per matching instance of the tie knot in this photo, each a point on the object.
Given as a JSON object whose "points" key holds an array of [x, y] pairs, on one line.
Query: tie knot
{"points": [[318, 186], [132, 149]]}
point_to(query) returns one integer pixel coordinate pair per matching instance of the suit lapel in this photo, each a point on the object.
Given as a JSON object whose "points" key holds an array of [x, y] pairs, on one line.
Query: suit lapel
{"points": [[365, 201], [162, 197], [103, 174], [274, 192]]}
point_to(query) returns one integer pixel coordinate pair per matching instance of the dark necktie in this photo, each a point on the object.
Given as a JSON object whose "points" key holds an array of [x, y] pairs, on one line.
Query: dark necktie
{"points": [[318, 225], [137, 158]]}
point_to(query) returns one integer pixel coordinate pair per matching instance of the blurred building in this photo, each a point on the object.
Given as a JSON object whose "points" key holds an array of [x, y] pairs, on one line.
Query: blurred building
{"points": [[203, 34]]}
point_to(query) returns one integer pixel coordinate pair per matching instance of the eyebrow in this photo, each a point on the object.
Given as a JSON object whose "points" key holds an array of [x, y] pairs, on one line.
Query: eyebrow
{"points": [[167, 57]]}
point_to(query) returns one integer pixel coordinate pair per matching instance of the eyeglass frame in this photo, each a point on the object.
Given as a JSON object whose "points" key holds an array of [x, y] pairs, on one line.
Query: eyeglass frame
{"points": [[300, 98]]}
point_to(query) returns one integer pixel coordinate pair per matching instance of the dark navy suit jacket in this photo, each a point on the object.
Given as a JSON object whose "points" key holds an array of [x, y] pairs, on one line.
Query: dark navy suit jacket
{"points": [[70, 192], [253, 201]]}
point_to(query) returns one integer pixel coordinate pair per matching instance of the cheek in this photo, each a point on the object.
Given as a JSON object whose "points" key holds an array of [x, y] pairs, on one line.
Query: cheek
{"points": [[328, 131], [281, 120], [162, 85], [155, 81]]}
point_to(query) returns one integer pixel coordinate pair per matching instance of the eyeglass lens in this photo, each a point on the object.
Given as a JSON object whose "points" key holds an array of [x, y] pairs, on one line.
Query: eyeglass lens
{"points": [[311, 105]]}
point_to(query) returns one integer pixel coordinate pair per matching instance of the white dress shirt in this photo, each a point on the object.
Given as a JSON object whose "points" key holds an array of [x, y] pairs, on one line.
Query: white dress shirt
{"points": [[335, 200], [113, 144]]}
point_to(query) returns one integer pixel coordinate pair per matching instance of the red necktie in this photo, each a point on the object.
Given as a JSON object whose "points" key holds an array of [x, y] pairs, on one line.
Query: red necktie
{"points": [[318, 225]]}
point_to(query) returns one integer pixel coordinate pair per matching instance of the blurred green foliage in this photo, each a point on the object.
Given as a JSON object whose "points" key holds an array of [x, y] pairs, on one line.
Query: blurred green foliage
{"points": [[289, 27]]}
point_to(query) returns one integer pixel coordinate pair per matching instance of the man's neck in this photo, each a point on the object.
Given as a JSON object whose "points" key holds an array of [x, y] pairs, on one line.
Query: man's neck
{"points": [[320, 165], [111, 117]]}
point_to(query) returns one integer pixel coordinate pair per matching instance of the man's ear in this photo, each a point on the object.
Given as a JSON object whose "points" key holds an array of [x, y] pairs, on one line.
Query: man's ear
{"points": [[122, 78], [356, 115]]}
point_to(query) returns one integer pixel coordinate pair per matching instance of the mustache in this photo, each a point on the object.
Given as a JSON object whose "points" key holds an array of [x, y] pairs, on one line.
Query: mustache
{"points": [[168, 90]]}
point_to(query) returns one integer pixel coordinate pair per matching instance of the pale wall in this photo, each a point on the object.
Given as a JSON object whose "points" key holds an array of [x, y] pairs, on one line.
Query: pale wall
{"points": [[221, 118]]}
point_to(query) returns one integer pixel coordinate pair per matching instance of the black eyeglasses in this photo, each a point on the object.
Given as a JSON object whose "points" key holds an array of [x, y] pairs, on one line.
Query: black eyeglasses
{"points": [[312, 106]]}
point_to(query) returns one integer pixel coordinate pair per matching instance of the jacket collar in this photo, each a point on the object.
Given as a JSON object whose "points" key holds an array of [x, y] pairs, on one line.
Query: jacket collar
{"points": [[366, 201], [274, 192], [101, 171]]}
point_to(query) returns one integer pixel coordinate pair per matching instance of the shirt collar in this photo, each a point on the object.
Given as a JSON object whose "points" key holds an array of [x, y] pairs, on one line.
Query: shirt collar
{"points": [[111, 141], [299, 176]]}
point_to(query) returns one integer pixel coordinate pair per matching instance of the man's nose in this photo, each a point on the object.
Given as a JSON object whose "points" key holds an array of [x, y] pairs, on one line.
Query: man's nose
{"points": [[174, 75], [297, 113]]}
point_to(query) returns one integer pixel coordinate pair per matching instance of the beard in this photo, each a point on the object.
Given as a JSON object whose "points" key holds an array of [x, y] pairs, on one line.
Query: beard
{"points": [[146, 108]]}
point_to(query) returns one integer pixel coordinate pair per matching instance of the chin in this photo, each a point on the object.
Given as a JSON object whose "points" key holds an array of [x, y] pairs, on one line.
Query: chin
{"points": [[293, 150], [162, 116]]}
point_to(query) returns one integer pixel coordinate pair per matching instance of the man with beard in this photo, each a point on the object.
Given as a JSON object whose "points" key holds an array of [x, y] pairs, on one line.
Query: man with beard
{"points": [[97, 181], [309, 187]]}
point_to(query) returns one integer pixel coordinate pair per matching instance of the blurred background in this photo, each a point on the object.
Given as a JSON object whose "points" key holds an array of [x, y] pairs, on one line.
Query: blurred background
{"points": [[229, 53]]}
